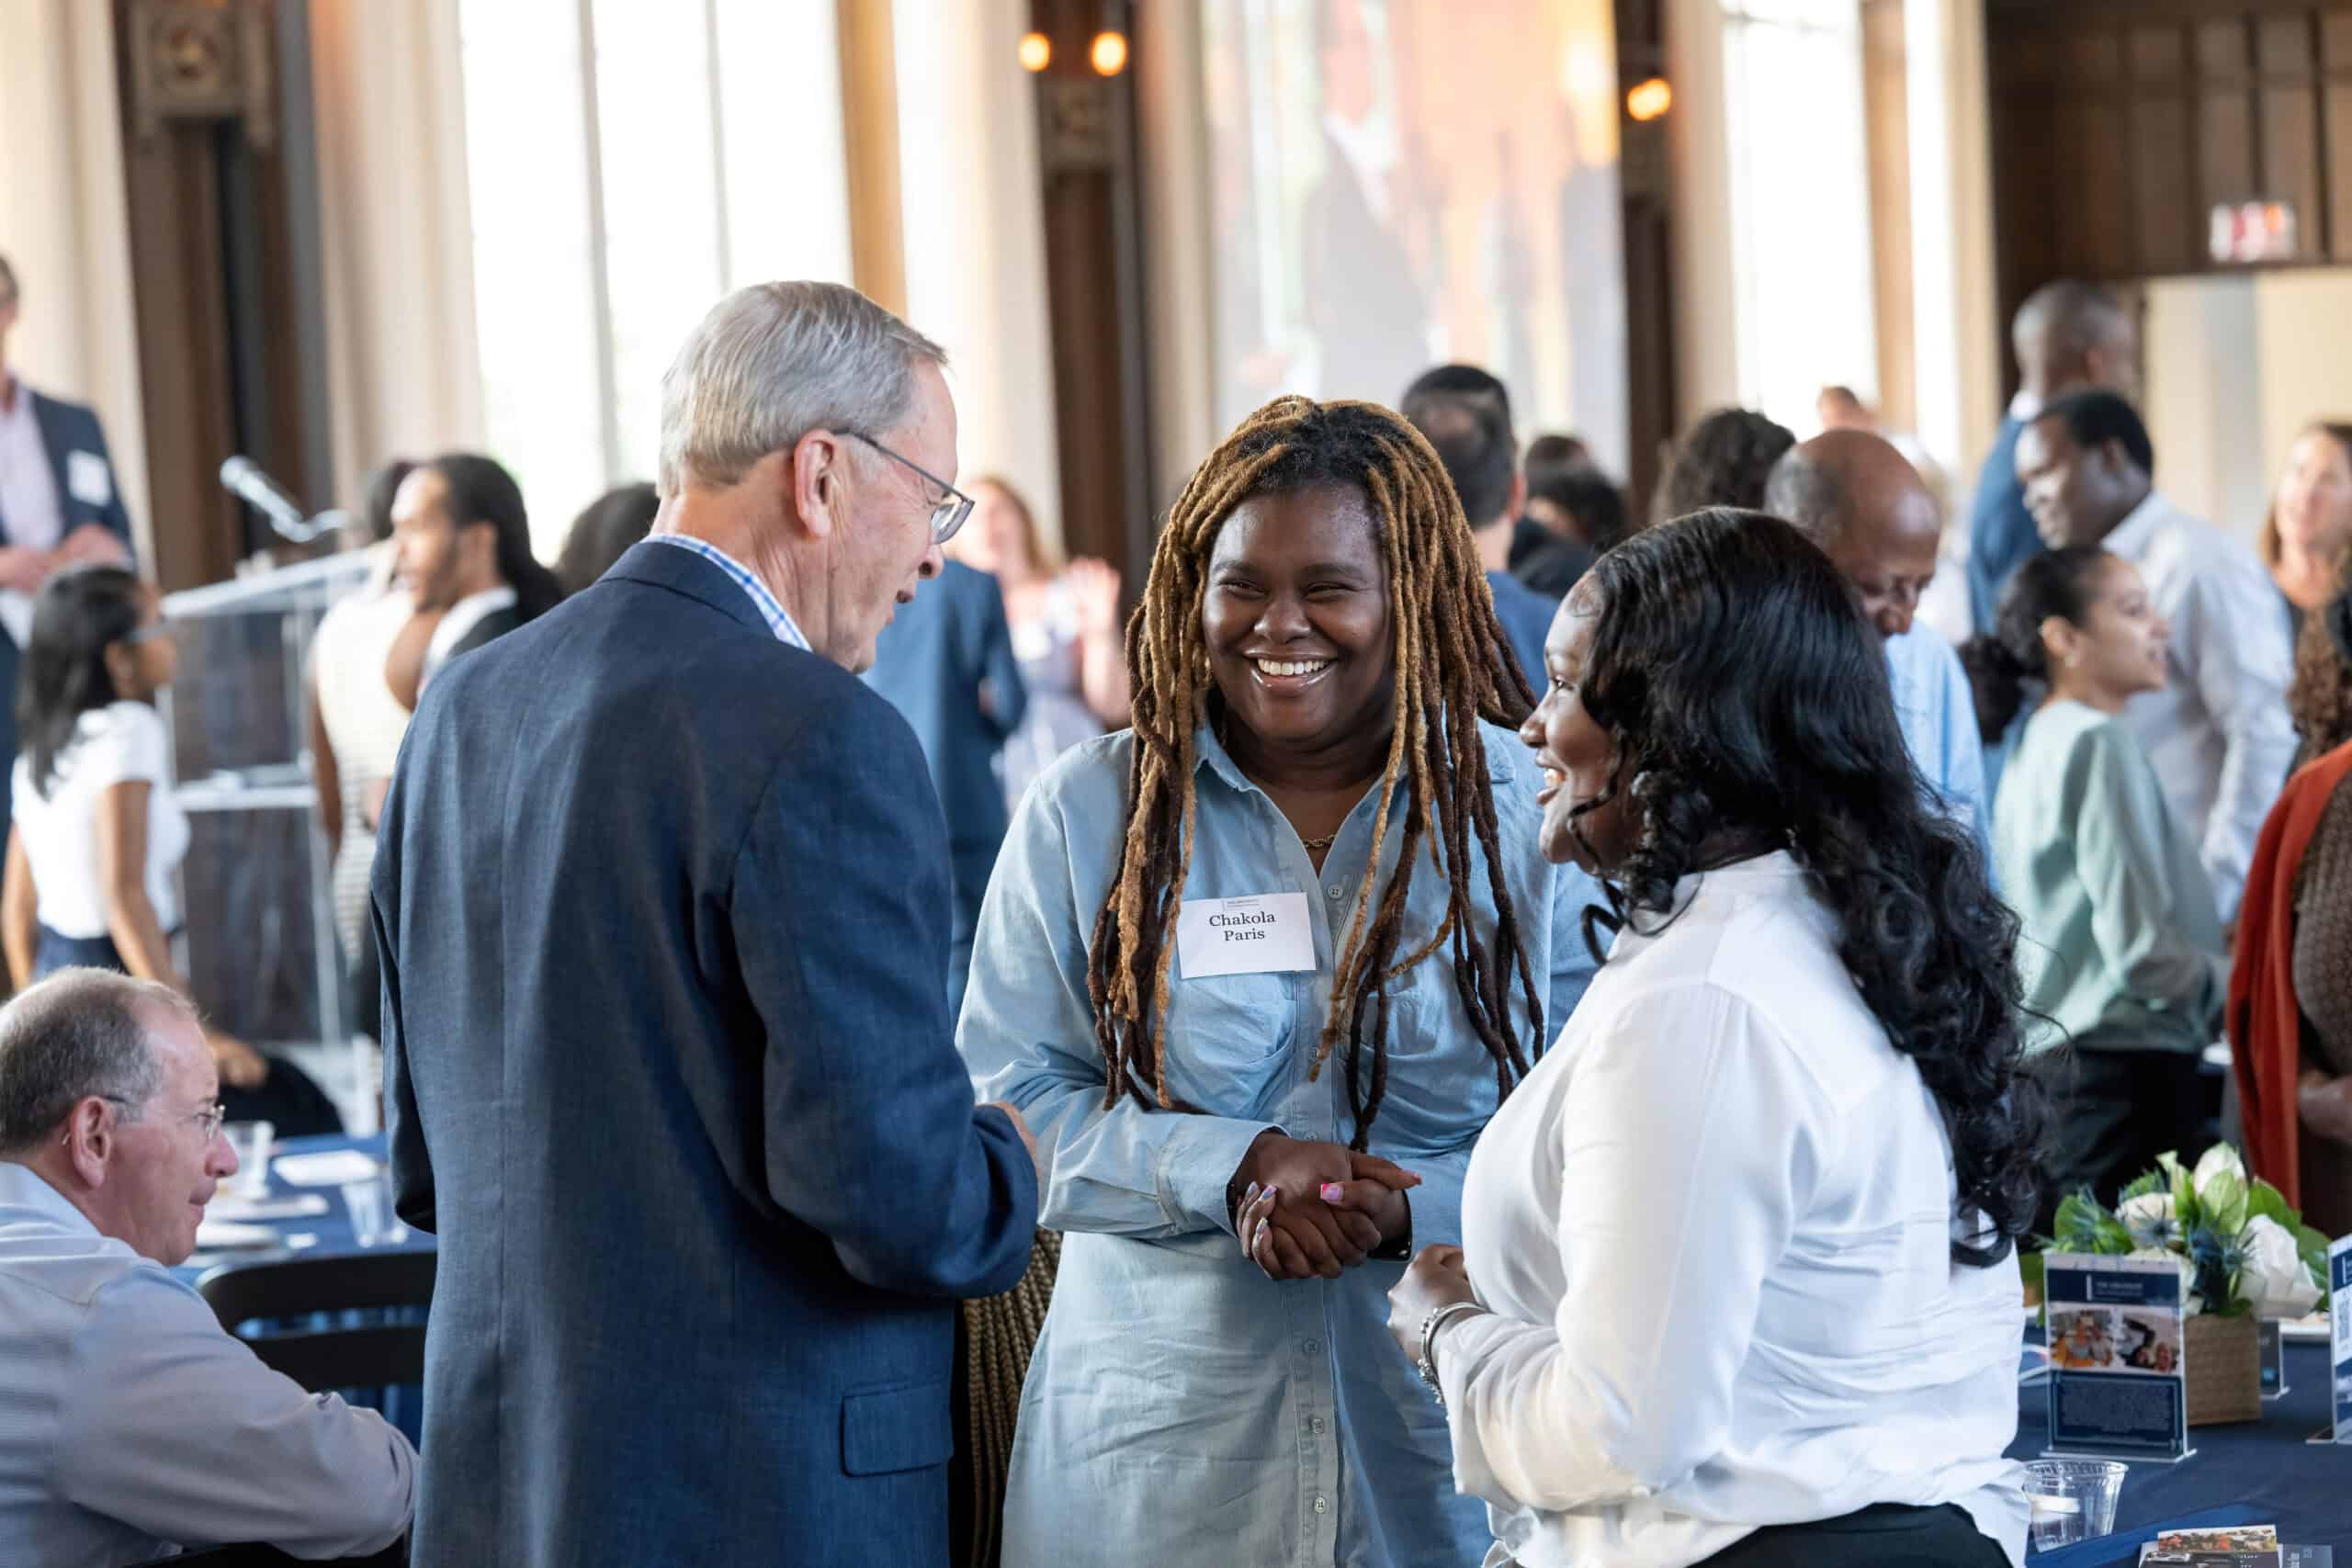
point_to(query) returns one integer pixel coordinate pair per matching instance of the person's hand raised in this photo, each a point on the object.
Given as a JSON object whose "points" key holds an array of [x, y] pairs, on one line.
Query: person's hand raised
{"points": [[1315, 1209], [1094, 587]]}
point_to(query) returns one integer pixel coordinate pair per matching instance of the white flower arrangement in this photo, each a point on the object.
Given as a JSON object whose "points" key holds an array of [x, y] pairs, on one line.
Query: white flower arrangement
{"points": [[2241, 1248]]}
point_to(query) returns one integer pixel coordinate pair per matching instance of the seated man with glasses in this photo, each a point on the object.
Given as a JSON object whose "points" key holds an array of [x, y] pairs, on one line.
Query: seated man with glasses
{"points": [[130, 1421]]}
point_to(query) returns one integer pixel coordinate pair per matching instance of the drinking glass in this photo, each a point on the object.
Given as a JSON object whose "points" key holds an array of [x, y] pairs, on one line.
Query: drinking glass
{"points": [[250, 1142], [2073, 1499], [370, 1203]]}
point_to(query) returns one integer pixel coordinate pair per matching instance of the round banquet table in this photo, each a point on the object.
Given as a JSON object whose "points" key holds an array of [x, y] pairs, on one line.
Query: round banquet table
{"points": [[2260, 1471]]}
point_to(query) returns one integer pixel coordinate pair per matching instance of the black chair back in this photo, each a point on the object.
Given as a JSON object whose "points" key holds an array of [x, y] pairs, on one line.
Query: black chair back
{"points": [[392, 1556], [366, 1356]]}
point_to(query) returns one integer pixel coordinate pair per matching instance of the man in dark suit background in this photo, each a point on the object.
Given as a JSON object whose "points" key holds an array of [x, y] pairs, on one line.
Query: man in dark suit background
{"points": [[462, 539], [661, 896], [59, 506], [947, 663]]}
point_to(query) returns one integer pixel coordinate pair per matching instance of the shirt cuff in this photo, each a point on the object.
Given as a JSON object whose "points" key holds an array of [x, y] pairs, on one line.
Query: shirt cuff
{"points": [[1198, 1158]]}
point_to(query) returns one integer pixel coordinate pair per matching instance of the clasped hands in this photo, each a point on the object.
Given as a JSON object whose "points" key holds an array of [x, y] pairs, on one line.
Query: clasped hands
{"points": [[1315, 1209], [25, 569]]}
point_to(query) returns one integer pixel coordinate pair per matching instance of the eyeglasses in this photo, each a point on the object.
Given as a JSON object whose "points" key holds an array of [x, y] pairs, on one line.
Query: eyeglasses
{"points": [[138, 634], [207, 1120], [948, 515]]}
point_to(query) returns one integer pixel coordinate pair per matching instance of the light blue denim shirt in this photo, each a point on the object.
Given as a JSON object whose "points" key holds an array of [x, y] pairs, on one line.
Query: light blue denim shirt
{"points": [[1939, 717], [1181, 1408]]}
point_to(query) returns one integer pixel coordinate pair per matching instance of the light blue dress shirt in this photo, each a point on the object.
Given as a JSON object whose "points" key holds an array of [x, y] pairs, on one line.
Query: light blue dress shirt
{"points": [[130, 1420], [1181, 1409], [1939, 716]]}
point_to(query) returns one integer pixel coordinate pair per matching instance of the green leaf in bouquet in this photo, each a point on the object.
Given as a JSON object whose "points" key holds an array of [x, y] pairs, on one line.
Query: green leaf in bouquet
{"points": [[2268, 1200], [2224, 1206], [2313, 1245]]}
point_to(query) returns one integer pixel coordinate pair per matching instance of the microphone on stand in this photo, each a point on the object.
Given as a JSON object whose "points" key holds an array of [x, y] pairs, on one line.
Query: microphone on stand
{"points": [[242, 478]]}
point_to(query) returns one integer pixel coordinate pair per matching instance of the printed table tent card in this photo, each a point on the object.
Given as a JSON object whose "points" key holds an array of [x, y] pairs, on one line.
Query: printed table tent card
{"points": [[2119, 1383], [2340, 1294]]}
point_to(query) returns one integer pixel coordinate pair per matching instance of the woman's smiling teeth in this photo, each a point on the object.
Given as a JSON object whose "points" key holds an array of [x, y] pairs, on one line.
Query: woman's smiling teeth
{"points": [[1291, 666]]}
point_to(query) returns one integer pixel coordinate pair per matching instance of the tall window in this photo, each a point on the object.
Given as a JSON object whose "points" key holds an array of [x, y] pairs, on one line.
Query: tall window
{"points": [[1800, 202], [629, 162]]}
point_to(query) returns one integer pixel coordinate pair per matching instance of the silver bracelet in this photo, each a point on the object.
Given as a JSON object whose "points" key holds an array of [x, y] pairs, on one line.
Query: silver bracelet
{"points": [[1437, 1319]]}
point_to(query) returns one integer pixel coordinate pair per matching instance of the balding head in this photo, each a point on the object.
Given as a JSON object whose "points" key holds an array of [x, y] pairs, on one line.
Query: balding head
{"points": [[106, 1092], [2071, 336], [1863, 503]]}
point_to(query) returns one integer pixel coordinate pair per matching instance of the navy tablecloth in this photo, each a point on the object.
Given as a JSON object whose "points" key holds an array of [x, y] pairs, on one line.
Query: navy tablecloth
{"points": [[2255, 1471]]}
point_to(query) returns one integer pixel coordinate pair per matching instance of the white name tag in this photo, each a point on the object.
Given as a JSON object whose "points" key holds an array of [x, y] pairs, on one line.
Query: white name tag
{"points": [[1265, 935], [87, 478]]}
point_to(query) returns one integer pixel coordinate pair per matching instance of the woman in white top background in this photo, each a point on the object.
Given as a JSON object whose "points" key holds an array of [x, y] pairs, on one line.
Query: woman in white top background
{"points": [[1738, 1281], [95, 851]]}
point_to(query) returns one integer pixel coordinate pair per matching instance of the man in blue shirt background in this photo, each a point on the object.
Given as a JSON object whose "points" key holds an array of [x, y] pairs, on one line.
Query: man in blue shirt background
{"points": [[947, 663], [1863, 503]]}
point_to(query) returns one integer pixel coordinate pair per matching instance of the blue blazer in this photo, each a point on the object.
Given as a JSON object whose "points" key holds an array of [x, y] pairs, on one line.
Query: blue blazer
{"points": [[661, 906], [65, 428]]}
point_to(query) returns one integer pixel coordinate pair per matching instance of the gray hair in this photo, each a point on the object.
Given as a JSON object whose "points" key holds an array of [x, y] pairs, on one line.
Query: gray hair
{"points": [[774, 361], [78, 1033]]}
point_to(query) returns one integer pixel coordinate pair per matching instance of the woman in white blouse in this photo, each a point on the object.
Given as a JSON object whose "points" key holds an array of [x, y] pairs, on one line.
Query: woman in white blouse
{"points": [[1738, 1282], [95, 852]]}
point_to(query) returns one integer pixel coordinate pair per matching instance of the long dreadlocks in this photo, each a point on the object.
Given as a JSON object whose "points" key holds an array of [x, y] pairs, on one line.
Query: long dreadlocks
{"points": [[1453, 667]]}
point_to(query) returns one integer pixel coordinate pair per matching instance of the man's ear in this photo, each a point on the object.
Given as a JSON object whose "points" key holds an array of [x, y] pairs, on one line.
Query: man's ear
{"points": [[815, 474], [90, 1136]]}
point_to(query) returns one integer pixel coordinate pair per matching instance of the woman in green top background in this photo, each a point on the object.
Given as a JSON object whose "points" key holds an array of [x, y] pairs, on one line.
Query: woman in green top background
{"points": [[2122, 952]]}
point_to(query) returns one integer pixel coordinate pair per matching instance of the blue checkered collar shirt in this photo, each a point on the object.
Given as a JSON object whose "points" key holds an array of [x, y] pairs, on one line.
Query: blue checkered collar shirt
{"points": [[779, 619]]}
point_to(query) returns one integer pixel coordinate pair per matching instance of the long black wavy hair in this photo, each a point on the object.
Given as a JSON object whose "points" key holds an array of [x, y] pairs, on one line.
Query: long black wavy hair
{"points": [[78, 614], [1749, 704], [482, 490]]}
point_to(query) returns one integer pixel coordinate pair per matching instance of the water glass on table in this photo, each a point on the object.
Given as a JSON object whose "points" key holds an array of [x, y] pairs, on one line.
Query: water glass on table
{"points": [[251, 1143], [2073, 1499], [370, 1203]]}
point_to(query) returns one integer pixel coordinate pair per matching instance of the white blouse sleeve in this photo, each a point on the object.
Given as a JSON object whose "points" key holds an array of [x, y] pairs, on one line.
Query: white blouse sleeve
{"points": [[1691, 1138], [123, 742]]}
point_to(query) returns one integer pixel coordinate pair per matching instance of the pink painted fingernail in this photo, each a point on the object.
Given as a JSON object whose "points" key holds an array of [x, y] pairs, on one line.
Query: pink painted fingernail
{"points": [[1331, 1192]]}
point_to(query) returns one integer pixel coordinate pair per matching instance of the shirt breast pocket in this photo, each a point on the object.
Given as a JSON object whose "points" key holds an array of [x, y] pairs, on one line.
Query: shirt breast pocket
{"points": [[1227, 1038]]}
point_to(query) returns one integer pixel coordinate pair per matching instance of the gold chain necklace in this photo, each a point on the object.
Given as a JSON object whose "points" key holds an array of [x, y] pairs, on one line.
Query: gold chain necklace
{"points": [[1324, 842]]}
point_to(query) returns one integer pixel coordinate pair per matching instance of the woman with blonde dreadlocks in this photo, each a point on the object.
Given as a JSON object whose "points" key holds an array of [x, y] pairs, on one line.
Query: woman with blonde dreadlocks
{"points": [[1271, 958]]}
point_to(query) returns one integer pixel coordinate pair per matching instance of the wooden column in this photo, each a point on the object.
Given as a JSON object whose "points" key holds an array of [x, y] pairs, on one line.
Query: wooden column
{"points": [[1643, 172], [870, 139], [1095, 288], [221, 181]]}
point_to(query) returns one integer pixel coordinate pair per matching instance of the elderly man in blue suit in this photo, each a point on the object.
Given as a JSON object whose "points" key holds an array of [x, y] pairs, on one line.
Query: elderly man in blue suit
{"points": [[662, 899], [59, 506]]}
